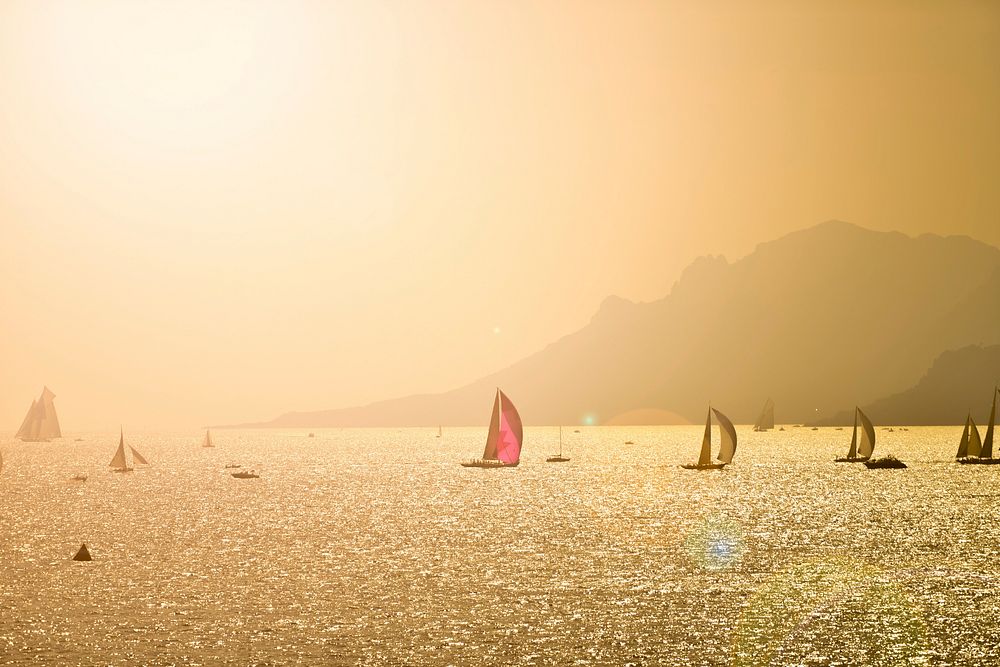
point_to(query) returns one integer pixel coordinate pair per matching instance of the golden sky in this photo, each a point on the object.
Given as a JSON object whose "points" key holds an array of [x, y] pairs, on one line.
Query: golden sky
{"points": [[219, 211]]}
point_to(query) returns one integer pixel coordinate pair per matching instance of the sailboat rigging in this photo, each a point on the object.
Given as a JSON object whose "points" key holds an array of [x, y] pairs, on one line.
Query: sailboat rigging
{"points": [[558, 458], [120, 462], [208, 439], [856, 453], [504, 438], [971, 449], [41, 424], [727, 448], [765, 422]]}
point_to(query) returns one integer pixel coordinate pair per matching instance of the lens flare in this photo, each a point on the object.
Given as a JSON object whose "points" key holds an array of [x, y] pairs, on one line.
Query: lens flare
{"points": [[716, 545]]}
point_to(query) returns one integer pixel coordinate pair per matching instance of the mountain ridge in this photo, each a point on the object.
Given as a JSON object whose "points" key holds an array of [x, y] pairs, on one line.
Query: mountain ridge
{"points": [[823, 317]]}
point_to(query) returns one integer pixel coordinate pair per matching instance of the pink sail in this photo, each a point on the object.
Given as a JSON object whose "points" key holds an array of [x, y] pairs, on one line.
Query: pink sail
{"points": [[511, 432]]}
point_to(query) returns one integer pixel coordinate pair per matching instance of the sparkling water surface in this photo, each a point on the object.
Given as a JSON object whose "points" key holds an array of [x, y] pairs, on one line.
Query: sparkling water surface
{"points": [[373, 546]]}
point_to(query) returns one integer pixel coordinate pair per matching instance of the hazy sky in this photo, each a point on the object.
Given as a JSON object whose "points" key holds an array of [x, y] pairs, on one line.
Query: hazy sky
{"points": [[217, 212]]}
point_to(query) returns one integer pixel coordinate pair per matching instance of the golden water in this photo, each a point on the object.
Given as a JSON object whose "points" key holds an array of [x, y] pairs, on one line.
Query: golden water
{"points": [[373, 546]]}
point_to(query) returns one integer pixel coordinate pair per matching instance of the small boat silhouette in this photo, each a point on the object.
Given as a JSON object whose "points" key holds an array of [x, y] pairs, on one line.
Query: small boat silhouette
{"points": [[558, 458], [726, 450]]}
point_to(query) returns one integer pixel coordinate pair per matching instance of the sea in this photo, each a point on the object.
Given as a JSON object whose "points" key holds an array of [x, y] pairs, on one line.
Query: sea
{"points": [[374, 547]]}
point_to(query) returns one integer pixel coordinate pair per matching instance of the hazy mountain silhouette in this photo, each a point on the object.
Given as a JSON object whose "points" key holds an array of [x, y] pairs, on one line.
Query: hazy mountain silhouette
{"points": [[819, 320], [959, 381]]}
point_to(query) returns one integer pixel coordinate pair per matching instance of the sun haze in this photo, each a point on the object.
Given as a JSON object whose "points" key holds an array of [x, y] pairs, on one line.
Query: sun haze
{"points": [[217, 212]]}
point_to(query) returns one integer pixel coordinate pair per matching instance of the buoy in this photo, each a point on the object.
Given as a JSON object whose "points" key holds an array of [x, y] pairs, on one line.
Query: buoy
{"points": [[82, 554]]}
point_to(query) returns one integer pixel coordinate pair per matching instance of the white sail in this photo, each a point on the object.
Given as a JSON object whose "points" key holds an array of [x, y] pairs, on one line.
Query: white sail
{"points": [[852, 453], [867, 436], [987, 451], [728, 447], [766, 419], [119, 461], [208, 439], [706, 442], [137, 457], [963, 444], [493, 437], [975, 442]]}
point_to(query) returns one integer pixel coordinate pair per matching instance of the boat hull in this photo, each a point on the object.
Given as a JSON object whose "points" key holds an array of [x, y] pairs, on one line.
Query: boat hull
{"points": [[245, 475], [488, 464], [704, 466], [557, 459], [851, 459], [123, 470], [981, 462], [886, 463]]}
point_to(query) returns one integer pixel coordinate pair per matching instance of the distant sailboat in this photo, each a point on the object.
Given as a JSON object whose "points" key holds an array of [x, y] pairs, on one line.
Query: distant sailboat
{"points": [[726, 450], [558, 458], [439, 430], [858, 454], [979, 452], [504, 439], [41, 424], [208, 439], [766, 420], [120, 462]]}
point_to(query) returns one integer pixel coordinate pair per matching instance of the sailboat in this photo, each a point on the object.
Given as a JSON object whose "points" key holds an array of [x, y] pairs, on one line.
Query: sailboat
{"points": [[766, 420], [726, 450], [120, 461], [558, 458], [41, 424], [858, 454], [979, 453], [208, 439], [439, 430], [504, 439]]}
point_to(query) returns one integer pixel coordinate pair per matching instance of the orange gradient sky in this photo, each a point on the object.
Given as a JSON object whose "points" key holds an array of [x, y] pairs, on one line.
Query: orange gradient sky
{"points": [[217, 212]]}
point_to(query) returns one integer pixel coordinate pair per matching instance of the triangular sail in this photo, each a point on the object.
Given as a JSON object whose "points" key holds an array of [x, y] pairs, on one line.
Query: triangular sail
{"points": [[490, 453], [766, 419], [706, 442], [137, 457], [728, 447], [208, 439], [25, 430], [852, 453], [35, 429], [49, 426], [975, 442], [511, 433], [867, 436], [987, 452], [119, 461], [963, 445]]}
